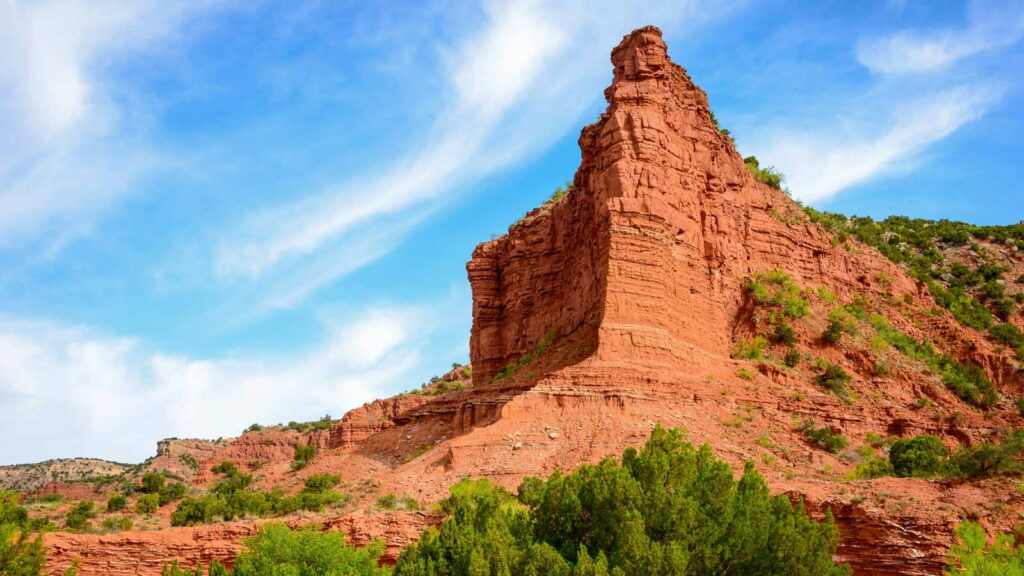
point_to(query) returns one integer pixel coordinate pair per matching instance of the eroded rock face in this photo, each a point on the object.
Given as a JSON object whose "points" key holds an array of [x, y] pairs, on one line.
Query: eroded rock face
{"points": [[663, 225]]}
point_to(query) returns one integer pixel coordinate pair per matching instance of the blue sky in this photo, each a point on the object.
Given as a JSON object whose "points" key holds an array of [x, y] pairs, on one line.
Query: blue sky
{"points": [[217, 213]]}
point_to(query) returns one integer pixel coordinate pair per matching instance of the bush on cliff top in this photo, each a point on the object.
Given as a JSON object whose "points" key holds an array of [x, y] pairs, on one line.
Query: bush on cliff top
{"points": [[768, 175]]}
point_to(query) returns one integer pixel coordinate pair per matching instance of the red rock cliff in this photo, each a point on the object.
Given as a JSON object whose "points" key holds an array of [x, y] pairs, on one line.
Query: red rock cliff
{"points": [[663, 224]]}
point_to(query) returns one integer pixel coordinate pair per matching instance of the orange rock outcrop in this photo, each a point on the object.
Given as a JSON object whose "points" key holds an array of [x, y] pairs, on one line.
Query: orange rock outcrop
{"points": [[662, 227]]}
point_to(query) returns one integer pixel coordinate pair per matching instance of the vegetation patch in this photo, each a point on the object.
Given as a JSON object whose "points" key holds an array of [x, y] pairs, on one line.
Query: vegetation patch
{"points": [[768, 175], [968, 382], [545, 342], [324, 423], [973, 555], [116, 502], [190, 461], [231, 498], [777, 289], [834, 379], [925, 456], [841, 321], [917, 244], [752, 349], [392, 502], [279, 550], [556, 196], [823, 437], [669, 508], [304, 454], [21, 549], [873, 466]]}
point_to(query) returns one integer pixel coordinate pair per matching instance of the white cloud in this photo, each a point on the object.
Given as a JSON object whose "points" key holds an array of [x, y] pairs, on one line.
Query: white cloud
{"points": [[991, 24], [822, 163], [68, 152], [516, 86], [65, 391]]}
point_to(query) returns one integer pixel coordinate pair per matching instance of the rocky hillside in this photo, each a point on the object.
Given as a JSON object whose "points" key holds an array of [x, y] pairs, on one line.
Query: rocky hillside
{"points": [[975, 272], [672, 283], [33, 477]]}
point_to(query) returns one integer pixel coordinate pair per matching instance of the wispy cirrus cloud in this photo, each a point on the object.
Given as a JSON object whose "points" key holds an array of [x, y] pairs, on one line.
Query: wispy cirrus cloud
{"points": [[821, 163], [887, 126], [71, 148], [991, 24], [514, 87]]}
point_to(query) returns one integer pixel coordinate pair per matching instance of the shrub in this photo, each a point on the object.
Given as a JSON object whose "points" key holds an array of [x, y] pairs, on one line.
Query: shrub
{"points": [[782, 333], [1010, 336], [152, 482], [559, 193], [147, 503], [880, 369], [745, 374], [227, 467], [872, 467], [669, 508], [1020, 405], [776, 289], [21, 553], [823, 437], [988, 459], [318, 483], [304, 454], [751, 349], [841, 321], [972, 556], [833, 332], [792, 358], [172, 492], [919, 456], [875, 440], [834, 379], [277, 549], [116, 502], [387, 502], [77, 519], [324, 423], [117, 523], [769, 175]]}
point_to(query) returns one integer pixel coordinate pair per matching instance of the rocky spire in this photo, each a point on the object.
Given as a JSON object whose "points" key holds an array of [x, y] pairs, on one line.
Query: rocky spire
{"points": [[651, 249]]}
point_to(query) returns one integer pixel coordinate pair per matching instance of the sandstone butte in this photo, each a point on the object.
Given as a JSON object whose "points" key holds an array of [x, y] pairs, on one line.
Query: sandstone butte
{"points": [[619, 307]]}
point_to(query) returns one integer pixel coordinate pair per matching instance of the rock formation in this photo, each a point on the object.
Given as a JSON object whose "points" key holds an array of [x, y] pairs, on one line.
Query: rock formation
{"points": [[663, 226]]}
